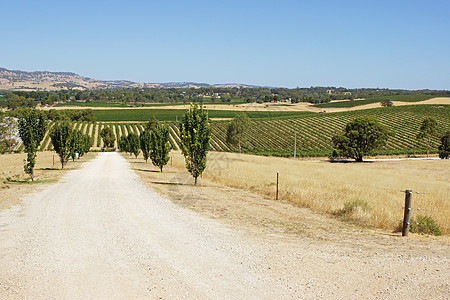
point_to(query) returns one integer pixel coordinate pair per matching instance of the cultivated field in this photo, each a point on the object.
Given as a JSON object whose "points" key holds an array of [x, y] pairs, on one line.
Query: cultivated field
{"points": [[368, 194], [275, 136]]}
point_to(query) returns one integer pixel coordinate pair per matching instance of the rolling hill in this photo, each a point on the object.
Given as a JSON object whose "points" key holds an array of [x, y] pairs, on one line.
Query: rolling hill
{"points": [[50, 81]]}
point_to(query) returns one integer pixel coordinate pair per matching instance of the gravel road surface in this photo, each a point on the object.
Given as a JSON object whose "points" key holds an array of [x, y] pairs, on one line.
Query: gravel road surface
{"points": [[100, 234]]}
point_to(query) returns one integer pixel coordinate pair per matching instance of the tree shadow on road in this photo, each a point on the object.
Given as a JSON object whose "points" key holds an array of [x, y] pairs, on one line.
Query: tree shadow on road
{"points": [[172, 183]]}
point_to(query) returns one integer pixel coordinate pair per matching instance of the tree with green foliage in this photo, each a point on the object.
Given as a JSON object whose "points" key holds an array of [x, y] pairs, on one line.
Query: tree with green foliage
{"points": [[32, 126], [87, 142], [195, 134], [386, 103], [133, 144], [123, 144], [428, 130], [14, 101], [160, 146], [108, 137], [152, 123], [76, 144], [236, 130], [444, 147], [145, 143], [61, 135], [360, 137]]}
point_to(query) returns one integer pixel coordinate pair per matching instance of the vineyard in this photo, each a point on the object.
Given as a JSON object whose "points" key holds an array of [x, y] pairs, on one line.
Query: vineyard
{"points": [[275, 136], [131, 115]]}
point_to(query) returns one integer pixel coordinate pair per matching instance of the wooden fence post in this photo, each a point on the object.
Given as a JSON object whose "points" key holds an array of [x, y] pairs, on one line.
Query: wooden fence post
{"points": [[278, 174], [407, 214]]}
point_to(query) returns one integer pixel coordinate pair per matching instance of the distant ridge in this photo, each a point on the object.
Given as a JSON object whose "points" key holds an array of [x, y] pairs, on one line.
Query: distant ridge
{"points": [[50, 81]]}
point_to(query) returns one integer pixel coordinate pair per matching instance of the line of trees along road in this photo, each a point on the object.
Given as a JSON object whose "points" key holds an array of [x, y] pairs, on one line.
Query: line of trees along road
{"points": [[67, 143], [358, 139], [195, 135], [153, 142]]}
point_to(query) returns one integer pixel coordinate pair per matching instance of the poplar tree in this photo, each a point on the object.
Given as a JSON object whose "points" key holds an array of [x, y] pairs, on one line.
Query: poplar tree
{"points": [[145, 143], [123, 144], [32, 126], [108, 137], [159, 146], [133, 144], [87, 142], [152, 123], [195, 134], [61, 135], [76, 144]]}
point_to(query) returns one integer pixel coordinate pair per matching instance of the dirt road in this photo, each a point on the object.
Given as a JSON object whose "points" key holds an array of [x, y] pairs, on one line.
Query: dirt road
{"points": [[100, 234]]}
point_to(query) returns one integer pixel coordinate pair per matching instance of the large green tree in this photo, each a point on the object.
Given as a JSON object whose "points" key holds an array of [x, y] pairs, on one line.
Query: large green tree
{"points": [[195, 134], [428, 129], [160, 146], [444, 147], [32, 126], [236, 130], [145, 143], [133, 144], [152, 123], [87, 142], [108, 137], [123, 144], [61, 136], [360, 137], [76, 144]]}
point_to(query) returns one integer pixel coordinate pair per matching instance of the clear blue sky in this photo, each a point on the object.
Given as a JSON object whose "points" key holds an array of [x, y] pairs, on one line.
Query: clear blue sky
{"points": [[393, 44]]}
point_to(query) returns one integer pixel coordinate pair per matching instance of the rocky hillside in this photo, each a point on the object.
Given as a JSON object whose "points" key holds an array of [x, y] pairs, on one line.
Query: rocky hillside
{"points": [[48, 81]]}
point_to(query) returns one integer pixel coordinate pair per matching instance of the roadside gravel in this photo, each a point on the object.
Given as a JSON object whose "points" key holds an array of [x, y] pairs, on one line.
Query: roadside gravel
{"points": [[100, 234]]}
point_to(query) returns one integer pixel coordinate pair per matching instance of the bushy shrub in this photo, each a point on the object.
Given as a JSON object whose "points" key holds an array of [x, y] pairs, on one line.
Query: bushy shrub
{"points": [[424, 225]]}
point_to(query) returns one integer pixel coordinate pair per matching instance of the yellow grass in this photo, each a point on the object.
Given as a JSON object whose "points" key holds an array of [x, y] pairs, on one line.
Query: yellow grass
{"points": [[302, 106], [14, 183], [326, 187]]}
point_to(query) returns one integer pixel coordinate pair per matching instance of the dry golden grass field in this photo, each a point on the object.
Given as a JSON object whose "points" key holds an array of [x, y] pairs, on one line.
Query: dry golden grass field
{"points": [[14, 183], [302, 106], [372, 192]]}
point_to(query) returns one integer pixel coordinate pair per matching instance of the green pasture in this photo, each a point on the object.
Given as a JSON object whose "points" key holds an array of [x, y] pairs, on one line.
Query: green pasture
{"points": [[129, 115]]}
